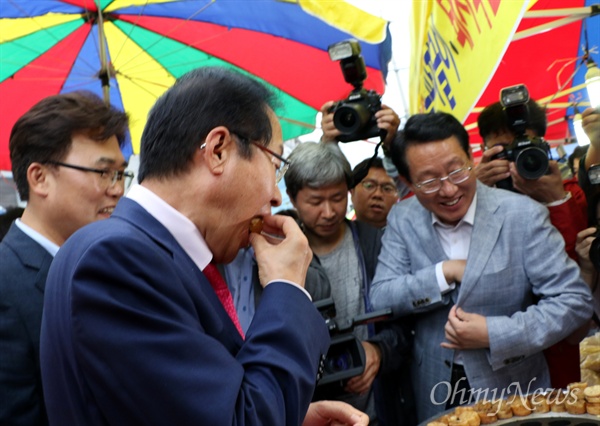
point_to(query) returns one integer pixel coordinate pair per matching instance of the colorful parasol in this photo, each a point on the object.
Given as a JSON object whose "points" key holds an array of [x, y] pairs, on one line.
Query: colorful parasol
{"points": [[131, 51]]}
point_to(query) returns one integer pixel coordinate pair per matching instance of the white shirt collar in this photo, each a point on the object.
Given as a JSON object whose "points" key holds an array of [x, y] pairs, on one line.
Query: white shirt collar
{"points": [[183, 230], [48, 245]]}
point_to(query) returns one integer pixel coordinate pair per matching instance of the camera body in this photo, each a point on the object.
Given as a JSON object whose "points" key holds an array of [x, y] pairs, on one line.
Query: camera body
{"points": [[346, 356], [354, 117], [530, 155]]}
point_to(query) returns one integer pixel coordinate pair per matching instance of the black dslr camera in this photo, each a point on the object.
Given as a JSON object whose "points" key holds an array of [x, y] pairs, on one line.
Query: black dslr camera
{"points": [[346, 356], [530, 155], [354, 116]]}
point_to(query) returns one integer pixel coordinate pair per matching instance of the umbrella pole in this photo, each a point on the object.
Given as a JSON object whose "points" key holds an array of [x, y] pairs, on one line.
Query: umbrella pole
{"points": [[104, 73]]}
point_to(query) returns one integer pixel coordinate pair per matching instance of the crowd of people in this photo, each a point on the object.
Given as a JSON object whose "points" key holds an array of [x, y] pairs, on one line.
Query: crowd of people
{"points": [[182, 299]]}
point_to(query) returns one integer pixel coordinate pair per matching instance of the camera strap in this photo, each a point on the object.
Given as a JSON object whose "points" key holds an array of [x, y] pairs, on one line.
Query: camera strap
{"points": [[366, 284], [362, 172]]}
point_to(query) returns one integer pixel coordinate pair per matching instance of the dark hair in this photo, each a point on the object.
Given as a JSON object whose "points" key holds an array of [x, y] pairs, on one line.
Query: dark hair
{"points": [[425, 128], [492, 120], [578, 152], [359, 173], [199, 101], [45, 132]]}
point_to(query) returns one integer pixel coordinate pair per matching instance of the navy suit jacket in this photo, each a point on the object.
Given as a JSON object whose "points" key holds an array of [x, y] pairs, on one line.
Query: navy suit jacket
{"points": [[133, 333], [24, 266]]}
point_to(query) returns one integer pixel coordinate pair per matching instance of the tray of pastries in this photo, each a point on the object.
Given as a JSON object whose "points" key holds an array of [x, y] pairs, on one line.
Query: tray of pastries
{"points": [[578, 405]]}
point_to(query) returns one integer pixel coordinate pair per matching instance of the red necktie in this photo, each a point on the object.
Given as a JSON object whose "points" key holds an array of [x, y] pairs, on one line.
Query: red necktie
{"points": [[220, 287]]}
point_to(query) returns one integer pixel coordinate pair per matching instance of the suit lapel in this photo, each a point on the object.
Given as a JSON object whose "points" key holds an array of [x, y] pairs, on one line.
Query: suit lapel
{"points": [[30, 253], [426, 235], [139, 217], [486, 230]]}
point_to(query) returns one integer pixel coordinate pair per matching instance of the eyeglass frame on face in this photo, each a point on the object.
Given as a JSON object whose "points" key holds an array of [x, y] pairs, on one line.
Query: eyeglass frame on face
{"points": [[279, 169], [382, 186], [117, 175], [440, 181]]}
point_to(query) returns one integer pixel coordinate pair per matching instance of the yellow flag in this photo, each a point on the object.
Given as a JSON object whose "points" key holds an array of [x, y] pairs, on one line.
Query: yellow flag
{"points": [[457, 46]]}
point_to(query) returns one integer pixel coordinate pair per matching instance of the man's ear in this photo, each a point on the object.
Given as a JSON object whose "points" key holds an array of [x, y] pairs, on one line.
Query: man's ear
{"points": [[38, 179], [216, 149]]}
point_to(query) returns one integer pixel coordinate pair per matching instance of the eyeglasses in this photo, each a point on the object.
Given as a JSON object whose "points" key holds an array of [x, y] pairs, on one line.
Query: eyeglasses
{"points": [[280, 168], [455, 177], [386, 188], [109, 177]]}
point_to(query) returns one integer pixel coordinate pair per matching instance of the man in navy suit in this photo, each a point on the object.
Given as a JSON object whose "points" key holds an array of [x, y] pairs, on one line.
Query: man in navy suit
{"points": [[68, 166], [137, 331]]}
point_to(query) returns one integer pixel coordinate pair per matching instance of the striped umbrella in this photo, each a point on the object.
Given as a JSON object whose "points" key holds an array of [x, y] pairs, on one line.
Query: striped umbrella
{"points": [[131, 51]]}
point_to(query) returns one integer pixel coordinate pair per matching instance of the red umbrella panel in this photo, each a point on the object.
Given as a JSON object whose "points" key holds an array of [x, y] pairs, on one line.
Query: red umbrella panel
{"points": [[131, 51]]}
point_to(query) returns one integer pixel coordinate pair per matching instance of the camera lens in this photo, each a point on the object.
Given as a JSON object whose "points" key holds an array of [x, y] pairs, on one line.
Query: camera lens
{"points": [[532, 163], [341, 361], [349, 118]]}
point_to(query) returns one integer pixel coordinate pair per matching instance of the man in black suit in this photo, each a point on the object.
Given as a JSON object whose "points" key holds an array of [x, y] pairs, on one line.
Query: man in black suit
{"points": [[68, 166]]}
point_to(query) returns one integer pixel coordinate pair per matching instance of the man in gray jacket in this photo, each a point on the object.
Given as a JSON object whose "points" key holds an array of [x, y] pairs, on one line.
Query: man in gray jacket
{"points": [[483, 271]]}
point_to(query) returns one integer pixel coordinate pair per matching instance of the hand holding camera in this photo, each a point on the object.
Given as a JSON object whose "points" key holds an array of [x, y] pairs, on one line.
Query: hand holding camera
{"points": [[386, 119], [354, 117], [491, 168], [547, 189], [361, 384]]}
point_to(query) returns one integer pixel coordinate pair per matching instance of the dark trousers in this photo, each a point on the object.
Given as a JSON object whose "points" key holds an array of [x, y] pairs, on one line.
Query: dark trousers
{"points": [[461, 390]]}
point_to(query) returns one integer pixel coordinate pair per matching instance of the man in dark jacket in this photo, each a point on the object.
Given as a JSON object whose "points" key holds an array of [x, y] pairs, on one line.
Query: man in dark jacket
{"points": [[317, 183]]}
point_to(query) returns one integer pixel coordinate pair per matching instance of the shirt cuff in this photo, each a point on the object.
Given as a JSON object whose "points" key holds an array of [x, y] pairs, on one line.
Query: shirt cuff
{"points": [[295, 285], [441, 280], [559, 202]]}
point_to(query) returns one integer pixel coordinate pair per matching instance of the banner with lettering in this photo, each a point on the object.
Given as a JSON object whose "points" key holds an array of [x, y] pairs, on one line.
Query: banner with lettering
{"points": [[457, 46]]}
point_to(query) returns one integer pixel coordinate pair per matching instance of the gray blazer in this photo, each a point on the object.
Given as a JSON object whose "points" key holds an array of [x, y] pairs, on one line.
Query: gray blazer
{"points": [[518, 275], [24, 266]]}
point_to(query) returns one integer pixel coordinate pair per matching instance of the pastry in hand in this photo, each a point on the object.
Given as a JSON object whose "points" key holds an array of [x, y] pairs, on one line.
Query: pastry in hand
{"points": [[256, 225]]}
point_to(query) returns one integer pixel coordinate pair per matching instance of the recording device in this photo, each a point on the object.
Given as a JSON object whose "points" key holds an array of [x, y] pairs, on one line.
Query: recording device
{"points": [[354, 116], [346, 356], [530, 155]]}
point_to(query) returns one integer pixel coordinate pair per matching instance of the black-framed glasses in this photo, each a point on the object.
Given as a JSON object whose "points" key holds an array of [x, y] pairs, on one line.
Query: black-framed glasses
{"points": [[109, 177], [455, 177], [386, 188]]}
